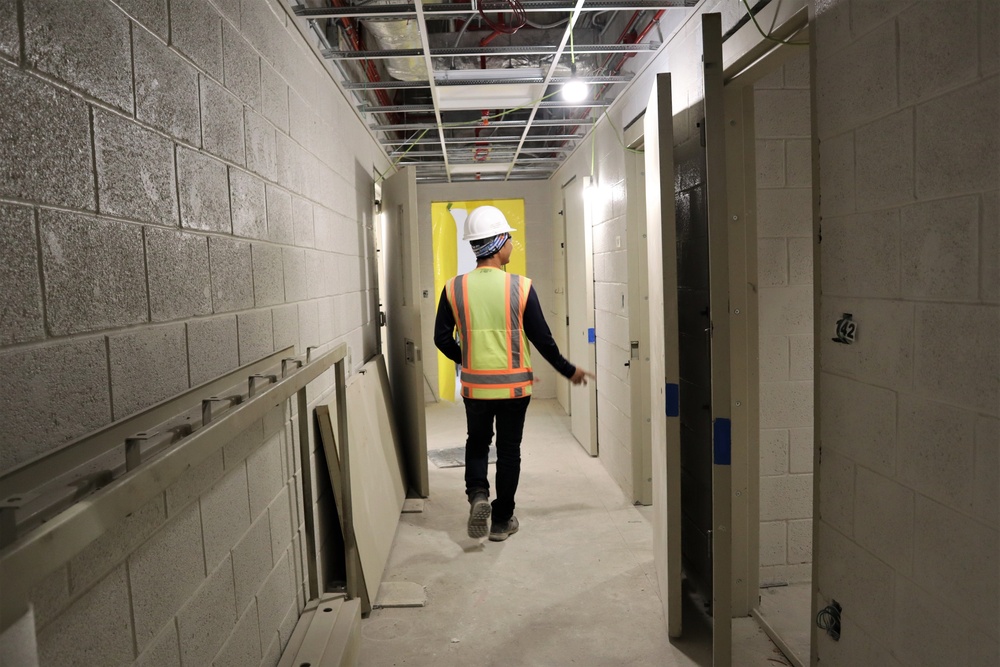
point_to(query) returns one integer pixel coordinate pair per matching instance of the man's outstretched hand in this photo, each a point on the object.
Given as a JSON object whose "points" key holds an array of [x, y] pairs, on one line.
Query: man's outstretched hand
{"points": [[581, 375]]}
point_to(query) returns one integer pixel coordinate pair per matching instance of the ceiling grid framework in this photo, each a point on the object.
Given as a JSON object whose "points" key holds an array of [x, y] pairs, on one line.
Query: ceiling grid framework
{"points": [[469, 91]]}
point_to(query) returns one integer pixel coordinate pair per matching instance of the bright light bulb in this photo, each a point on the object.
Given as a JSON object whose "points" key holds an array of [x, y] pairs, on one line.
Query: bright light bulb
{"points": [[575, 90]]}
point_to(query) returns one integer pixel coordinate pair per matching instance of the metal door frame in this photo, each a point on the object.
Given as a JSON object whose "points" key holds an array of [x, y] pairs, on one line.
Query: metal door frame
{"points": [[718, 247], [408, 401], [745, 336], [638, 318], [745, 381], [661, 230], [588, 268]]}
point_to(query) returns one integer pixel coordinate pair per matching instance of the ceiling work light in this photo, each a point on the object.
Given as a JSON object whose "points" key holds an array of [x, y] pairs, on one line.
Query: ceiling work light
{"points": [[574, 90]]}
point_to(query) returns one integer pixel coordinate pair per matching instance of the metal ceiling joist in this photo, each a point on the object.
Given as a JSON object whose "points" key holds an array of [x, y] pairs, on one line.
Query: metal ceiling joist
{"points": [[491, 177], [476, 140], [533, 80], [475, 51], [424, 108], [449, 9], [495, 153], [550, 76], [500, 159], [541, 122], [426, 48]]}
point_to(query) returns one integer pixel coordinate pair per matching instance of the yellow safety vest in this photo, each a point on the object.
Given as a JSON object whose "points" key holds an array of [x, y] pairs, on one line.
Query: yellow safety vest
{"points": [[488, 305]]}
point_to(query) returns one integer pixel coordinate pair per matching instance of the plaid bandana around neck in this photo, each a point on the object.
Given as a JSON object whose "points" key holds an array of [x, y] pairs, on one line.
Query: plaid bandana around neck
{"points": [[489, 246]]}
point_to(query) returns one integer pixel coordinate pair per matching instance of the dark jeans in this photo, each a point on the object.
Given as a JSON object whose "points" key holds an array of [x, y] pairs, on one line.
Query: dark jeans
{"points": [[509, 416]]}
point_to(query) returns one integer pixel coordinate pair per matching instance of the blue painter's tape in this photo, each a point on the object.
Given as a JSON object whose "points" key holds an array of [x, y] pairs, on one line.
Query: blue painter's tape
{"points": [[673, 400], [722, 442], [591, 335]]}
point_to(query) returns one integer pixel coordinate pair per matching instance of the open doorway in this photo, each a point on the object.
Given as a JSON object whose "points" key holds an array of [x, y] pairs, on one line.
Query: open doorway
{"points": [[773, 98], [640, 383], [785, 325], [453, 257], [577, 221]]}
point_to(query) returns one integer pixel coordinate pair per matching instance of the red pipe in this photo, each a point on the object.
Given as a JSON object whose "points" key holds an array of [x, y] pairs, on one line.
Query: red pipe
{"points": [[485, 41], [481, 152], [621, 39], [638, 40], [621, 63]]}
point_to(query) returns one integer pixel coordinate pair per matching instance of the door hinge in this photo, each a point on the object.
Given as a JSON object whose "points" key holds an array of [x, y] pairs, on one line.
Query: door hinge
{"points": [[709, 545], [567, 320]]}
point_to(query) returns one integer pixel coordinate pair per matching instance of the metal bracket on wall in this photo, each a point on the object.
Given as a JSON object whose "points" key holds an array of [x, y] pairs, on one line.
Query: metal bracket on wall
{"points": [[44, 521]]}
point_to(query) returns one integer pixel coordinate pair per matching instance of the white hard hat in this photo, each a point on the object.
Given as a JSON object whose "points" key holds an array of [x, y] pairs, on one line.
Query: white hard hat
{"points": [[484, 222]]}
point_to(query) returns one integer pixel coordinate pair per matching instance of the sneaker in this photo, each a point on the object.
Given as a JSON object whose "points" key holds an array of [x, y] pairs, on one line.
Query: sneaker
{"points": [[501, 531], [478, 513]]}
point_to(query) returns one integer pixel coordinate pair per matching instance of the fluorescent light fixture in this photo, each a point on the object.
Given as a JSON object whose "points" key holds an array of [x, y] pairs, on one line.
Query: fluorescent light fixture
{"points": [[481, 168], [493, 95]]}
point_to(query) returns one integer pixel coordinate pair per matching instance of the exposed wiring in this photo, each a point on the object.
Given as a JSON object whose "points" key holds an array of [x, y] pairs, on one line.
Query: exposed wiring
{"points": [[518, 21], [828, 619], [450, 126], [461, 31], [767, 35], [546, 26], [618, 135]]}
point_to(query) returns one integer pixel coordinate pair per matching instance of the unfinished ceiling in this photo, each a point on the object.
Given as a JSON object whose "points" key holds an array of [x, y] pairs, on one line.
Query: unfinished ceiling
{"points": [[474, 90]]}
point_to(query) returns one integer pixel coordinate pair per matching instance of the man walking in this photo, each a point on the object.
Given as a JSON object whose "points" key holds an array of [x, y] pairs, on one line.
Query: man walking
{"points": [[496, 314]]}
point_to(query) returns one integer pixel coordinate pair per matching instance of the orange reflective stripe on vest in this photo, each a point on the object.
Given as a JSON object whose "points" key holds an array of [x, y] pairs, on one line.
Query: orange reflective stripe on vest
{"points": [[488, 306]]}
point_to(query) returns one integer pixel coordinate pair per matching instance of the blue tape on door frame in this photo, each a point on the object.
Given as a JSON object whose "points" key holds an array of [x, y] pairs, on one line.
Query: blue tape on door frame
{"points": [[591, 335], [673, 397], [722, 442]]}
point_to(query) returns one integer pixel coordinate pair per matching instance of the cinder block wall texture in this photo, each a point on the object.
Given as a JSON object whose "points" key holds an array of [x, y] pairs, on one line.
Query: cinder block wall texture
{"points": [[183, 189], [908, 111], [785, 301]]}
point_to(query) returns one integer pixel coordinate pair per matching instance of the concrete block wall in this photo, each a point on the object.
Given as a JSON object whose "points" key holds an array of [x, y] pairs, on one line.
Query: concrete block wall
{"points": [[908, 106], [200, 575], [183, 189], [785, 301]]}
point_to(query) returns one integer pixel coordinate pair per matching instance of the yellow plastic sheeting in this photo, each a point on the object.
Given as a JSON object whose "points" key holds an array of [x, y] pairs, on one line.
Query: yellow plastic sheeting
{"points": [[445, 242]]}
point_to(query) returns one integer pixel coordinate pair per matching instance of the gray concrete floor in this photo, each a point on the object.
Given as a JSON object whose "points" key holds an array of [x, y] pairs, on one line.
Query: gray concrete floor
{"points": [[575, 586], [788, 610]]}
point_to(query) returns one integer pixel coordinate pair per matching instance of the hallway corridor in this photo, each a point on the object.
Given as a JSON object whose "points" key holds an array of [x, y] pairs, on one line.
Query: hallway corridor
{"points": [[575, 586]]}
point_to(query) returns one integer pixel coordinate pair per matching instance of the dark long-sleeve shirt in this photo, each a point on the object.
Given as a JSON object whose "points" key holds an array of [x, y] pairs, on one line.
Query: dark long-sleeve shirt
{"points": [[533, 322]]}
